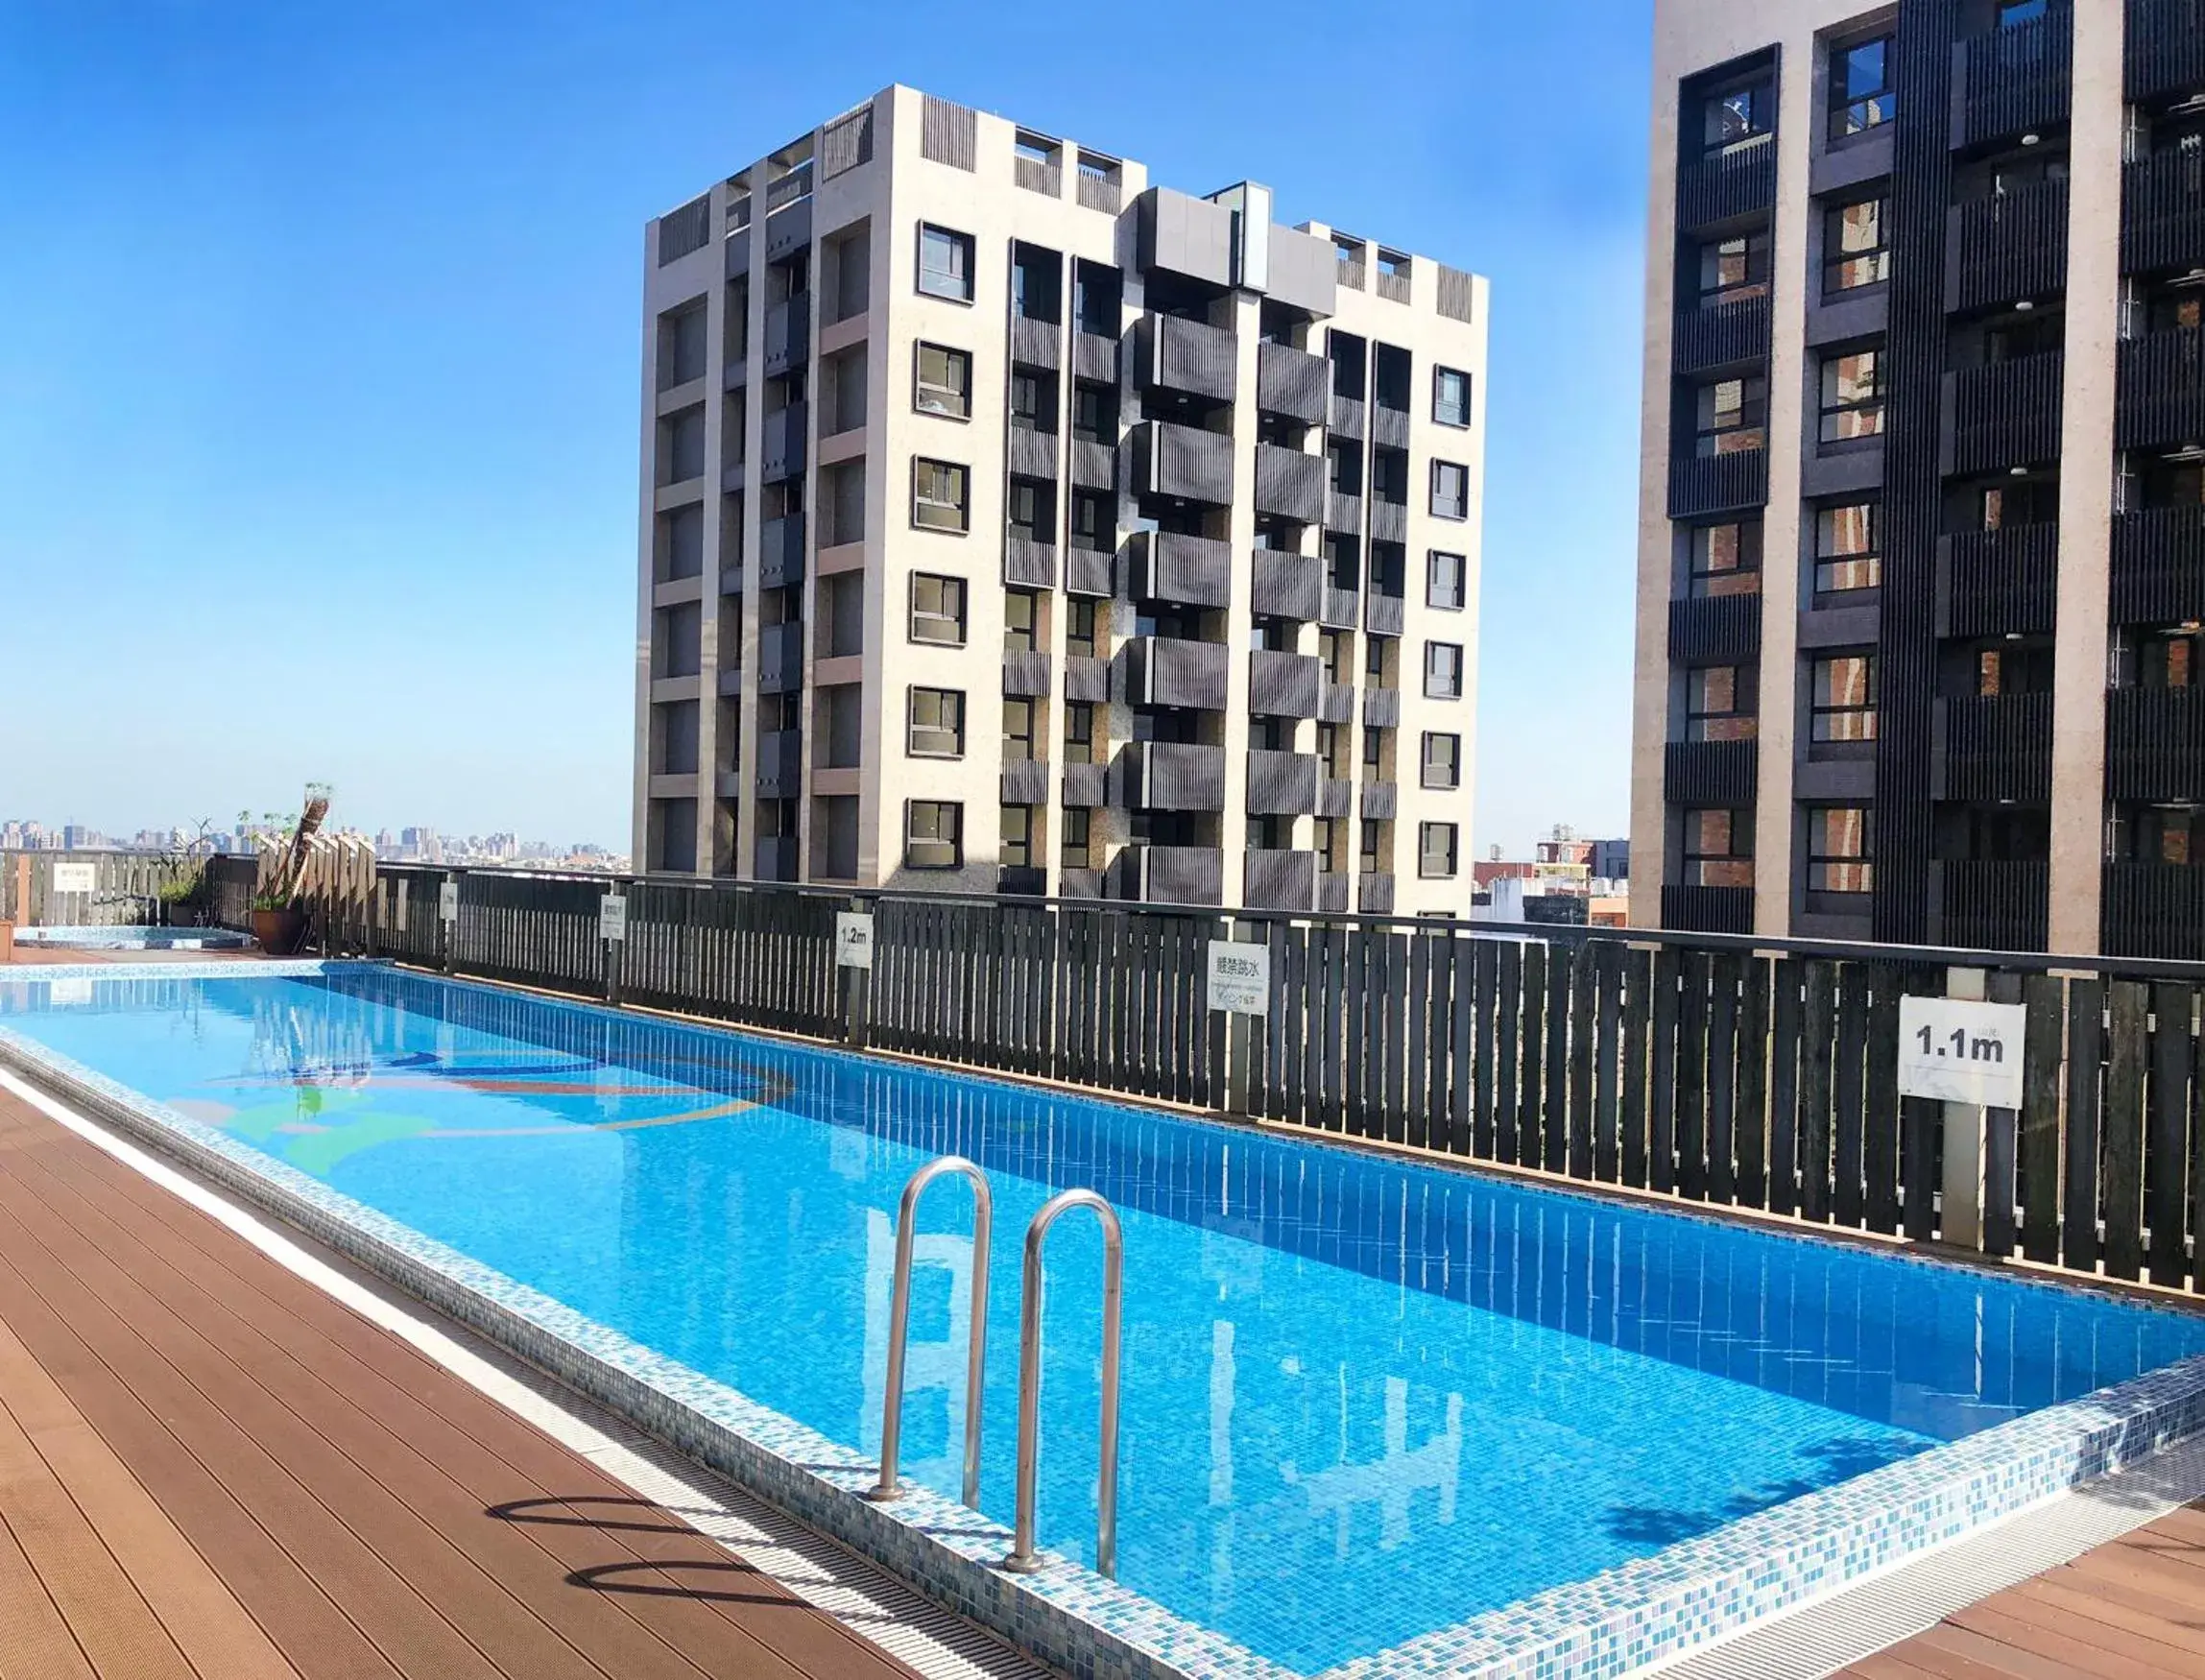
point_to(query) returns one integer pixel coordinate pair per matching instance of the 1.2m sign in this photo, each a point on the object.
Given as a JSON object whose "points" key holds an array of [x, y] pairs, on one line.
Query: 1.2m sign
{"points": [[1955, 1051]]}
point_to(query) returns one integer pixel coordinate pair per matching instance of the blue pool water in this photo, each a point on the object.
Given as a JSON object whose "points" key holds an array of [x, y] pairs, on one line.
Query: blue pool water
{"points": [[1363, 1399]]}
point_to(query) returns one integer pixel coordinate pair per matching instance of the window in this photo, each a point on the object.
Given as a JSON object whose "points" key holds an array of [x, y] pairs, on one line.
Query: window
{"points": [[937, 724], [937, 610], [2173, 658], [1449, 491], [2013, 14], [2163, 834], [1031, 404], [1851, 395], [1848, 548], [1734, 270], [1740, 116], [1861, 88], [1017, 729], [1325, 836], [1856, 245], [1374, 755], [682, 446], [1442, 670], [938, 495], [1449, 396], [1094, 413], [1017, 852], [1726, 559], [1722, 703], [1718, 849], [1094, 521], [1037, 282], [1335, 652], [945, 263], [933, 834], [944, 383], [1442, 761], [1080, 628], [1367, 846], [1073, 852], [1096, 296], [1436, 850], [1733, 414], [2014, 668], [1329, 746], [1375, 662], [1022, 620], [1443, 582], [1844, 698], [2026, 501], [1080, 732], [1840, 846], [1031, 511]]}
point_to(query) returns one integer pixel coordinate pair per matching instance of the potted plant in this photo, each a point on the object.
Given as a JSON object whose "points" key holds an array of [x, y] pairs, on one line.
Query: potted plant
{"points": [[181, 899], [279, 917]]}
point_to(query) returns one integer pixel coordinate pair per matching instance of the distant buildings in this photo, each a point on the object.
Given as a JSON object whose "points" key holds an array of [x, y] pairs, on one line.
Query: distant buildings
{"points": [[1569, 880]]}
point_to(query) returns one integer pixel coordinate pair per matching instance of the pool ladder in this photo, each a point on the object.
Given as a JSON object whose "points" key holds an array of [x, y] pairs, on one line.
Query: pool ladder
{"points": [[1023, 1559]]}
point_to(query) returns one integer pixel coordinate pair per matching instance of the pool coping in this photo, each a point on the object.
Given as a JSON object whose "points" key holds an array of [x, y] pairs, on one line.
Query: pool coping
{"points": [[1611, 1625]]}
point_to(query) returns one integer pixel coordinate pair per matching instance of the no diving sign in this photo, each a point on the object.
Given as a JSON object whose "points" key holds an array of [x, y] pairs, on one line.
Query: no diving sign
{"points": [[1239, 977]]}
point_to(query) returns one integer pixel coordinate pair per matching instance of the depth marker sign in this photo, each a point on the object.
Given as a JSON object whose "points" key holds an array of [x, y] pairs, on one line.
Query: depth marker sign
{"points": [[1954, 1050]]}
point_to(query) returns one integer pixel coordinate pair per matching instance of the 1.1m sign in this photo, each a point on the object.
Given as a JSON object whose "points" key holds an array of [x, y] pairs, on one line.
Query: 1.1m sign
{"points": [[1955, 1051]]}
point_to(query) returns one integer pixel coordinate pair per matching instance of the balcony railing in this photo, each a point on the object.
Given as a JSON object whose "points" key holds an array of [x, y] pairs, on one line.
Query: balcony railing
{"points": [[1087, 678], [1280, 881], [1992, 748], [1389, 519], [2007, 413], [1166, 671], [1289, 484], [1990, 904], [2007, 247], [1711, 775], [1188, 356], [1169, 776], [1708, 909], [781, 765], [1286, 585], [781, 447], [1331, 893], [1344, 511], [1281, 784], [1727, 187], [1170, 874], [2155, 910], [1375, 893], [1385, 613], [1292, 382], [1026, 674], [1389, 424], [2163, 213], [1339, 609], [2155, 745], [1033, 452], [1087, 785], [1088, 570], [1381, 801], [1715, 630], [788, 333], [1336, 702], [1039, 344], [1701, 486], [1344, 419], [1998, 583], [2158, 566], [780, 551], [2164, 50], [774, 856], [2160, 400], [1336, 796], [1028, 564], [1180, 462], [1025, 781], [1094, 465], [1721, 335], [1382, 709], [1188, 571], [2018, 81], [1284, 684], [780, 658]]}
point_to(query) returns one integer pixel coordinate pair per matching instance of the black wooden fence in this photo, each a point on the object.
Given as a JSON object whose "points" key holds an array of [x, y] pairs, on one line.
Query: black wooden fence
{"points": [[1714, 1069]]}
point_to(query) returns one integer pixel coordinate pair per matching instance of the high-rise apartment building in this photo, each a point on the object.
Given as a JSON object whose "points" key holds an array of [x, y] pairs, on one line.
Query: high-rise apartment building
{"points": [[1012, 524], [1922, 526]]}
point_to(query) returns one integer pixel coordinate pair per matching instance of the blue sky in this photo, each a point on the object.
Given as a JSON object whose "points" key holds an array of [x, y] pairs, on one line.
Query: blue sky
{"points": [[319, 332]]}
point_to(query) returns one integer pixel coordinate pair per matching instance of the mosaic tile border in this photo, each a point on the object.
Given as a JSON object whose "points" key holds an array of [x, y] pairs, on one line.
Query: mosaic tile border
{"points": [[1610, 1626], [275, 969], [124, 936]]}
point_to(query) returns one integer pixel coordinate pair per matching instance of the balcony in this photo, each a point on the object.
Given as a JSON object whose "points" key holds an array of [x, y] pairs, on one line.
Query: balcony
{"points": [[1336, 796], [1711, 775], [1381, 801], [2014, 82], [1029, 565], [1038, 344], [1336, 702], [2158, 566], [1168, 874], [1165, 671], [1723, 335], [1180, 462], [780, 658], [1033, 452], [1715, 630], [2006, 247], [1331, 894], [1280, 881], [2165, 50], [1998, 583], [773, 858], [1026, 674], [780, 552], [1283, 685], [1292, 382], [1386, 612], [2163, 214], [1281, 784], [1025, 781], [1389, 520], [1088, 570], [1344, 511], [2155, 745], [1094, 465], [1190, 357], [2161, 394], [781, 453], [1339, 609], [1286, 585], [1289, 484], [1986, 749], [1087, 678], [2007, 413], [788, 333], [1094, 356], [1727, 187], [1087, 787], [1708, 909], [1989, 904], [1382, 708], [2155, 910], [1375, 894], [1022, 882], [1080, 883], [1701, 486], [1170, 776], [1344, 416], [1389, 425], [781, 765], [1183, 570]]}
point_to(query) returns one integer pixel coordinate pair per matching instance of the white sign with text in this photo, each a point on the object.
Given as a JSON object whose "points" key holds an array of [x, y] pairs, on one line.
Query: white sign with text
{"points": [[613, 918], [853, 939], [448, 901], [75, 878], [1239, 977], [1955, 1051]]}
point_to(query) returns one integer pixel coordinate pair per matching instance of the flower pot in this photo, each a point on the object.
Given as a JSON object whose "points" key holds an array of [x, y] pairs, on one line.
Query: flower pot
{"points": [[279, 933], [179, 913]]}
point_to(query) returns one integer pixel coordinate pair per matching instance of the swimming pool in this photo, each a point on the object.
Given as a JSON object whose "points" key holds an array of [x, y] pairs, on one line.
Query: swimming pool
{"points": [[131, 937], [1365, 1400]]}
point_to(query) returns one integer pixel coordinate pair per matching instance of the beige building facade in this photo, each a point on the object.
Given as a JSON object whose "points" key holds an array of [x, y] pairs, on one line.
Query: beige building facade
{"points": [[1012, 524], [1921, 532]]}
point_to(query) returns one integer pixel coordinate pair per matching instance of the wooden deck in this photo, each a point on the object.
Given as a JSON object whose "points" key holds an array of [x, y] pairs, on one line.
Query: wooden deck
{"points": [[211, 1471]]}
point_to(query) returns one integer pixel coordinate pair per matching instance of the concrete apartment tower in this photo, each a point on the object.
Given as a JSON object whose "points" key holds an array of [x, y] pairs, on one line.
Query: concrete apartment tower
{"points": [[1922, 560], [1011, 524]]}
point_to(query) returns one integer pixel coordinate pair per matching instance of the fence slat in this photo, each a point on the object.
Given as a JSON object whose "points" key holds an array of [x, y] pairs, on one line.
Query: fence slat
{"points": [[2128, 1049], [1751, 1125], [1847, 1085], [2167, 1159], [1880, 1141]]}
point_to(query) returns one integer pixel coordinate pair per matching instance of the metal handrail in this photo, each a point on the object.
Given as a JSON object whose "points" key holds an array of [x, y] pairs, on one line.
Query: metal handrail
{"points": [[1022, 1559], [900, 1323]]}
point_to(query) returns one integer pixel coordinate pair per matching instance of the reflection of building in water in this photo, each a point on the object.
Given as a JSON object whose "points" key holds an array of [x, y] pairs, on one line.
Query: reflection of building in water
{"points": [[931, 1363], [1391, 1481], [332, 1048]]}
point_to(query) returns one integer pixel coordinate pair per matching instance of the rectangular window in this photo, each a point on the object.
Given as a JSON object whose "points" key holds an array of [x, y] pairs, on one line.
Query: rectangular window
{"points": [[1449, 491], [1097, 298], [1449, 396], [1734, 270], [1861, 88], [2025, 501], [1851, 395], [937, 610], [1080, 732], [1031, 511], [1848, 548], [1022, 621], [1845, 698], [1329, 747], [1017, 729], [1731, 416], [1029, 403], [945, 263], [1840, 849], [1739, 117], [1094, 521], [1335, 650], [1442, 670], [1444, 577], [943, 382], [1325, 836], [933, 834], [1094, 413], [1367, 846], [1856, 245], [937, 724], [1017, 837], [1374, 755], [1073, 852], [1375, 662], [1442, 761], [1722, 703], [1718, 849], [1080, 628], [1726, 559], [938, 500], [1436, 850]]}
